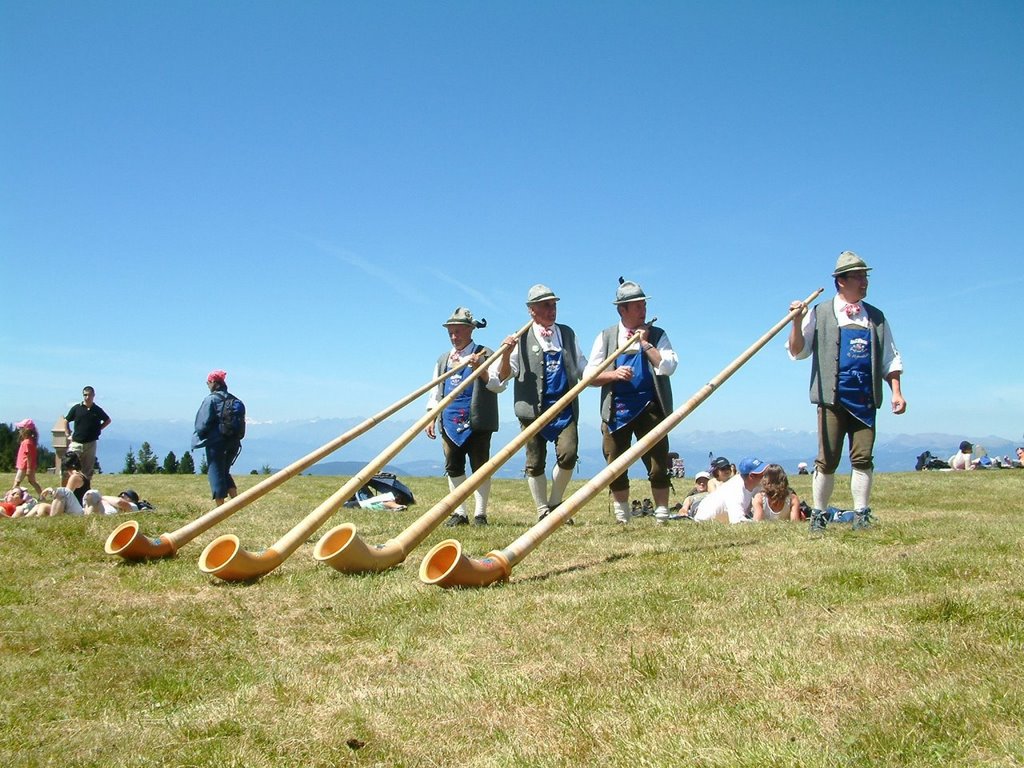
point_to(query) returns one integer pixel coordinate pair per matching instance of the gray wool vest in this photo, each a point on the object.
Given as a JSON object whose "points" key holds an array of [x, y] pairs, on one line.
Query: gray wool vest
{"points": [[825, 360], [662, 385], [483, 405], [529, 384]]}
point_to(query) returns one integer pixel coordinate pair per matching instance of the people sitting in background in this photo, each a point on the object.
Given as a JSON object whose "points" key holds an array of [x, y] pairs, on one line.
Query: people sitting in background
{"points": [[65, 501], [73, 463], [721, 470], [776, 500], [693, 498], [26, 503], [731, 501], [961, 460], [15, 501], [98, 504], [133, 498], [801, 468]]}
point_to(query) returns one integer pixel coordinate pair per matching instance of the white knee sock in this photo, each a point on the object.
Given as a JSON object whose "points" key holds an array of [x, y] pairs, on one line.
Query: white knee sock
{"points": [[559, 482], [453, 483], [539, 492], [480, 496], [860, 486], [621, 510], [821, 489]]}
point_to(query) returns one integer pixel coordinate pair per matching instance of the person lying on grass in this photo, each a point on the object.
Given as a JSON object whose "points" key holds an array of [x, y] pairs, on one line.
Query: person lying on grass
{"points": [[776, 500]]}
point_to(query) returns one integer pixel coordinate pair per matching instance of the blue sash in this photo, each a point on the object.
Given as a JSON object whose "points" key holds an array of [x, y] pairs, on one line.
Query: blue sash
{"points": [[629, 398], [555, 385], [455, 418], [855, 390]]}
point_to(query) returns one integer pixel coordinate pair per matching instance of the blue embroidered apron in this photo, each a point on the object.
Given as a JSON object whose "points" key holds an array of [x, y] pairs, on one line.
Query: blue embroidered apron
{"points": [[555, 385], [455, 418], [855, 390], [629, 398]]}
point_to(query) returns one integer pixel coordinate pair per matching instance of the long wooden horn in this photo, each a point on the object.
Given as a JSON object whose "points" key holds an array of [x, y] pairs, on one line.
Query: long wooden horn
{"points": [[445, 564], [127, 540], [343, 549], [224, 556]]}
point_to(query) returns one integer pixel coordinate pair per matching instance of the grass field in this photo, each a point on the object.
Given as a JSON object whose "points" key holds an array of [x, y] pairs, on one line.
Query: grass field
{"points": [[687, 644]]}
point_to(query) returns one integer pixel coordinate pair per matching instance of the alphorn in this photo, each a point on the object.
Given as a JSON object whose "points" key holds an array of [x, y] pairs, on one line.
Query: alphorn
{"points": [[127, 540], [343, 549], [224, 556], [445, 564]]}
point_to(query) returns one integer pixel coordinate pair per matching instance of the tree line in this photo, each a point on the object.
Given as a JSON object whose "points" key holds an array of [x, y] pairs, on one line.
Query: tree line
{"points": [[145, 462]]}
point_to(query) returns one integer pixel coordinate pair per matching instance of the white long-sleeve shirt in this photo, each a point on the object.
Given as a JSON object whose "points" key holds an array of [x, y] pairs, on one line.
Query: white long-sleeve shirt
{"points": [[467, 351], [669, 359], [891, 360]]}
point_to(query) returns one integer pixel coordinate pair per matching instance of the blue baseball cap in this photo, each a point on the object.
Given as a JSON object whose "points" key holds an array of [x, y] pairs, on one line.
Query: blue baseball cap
{"points": [[751, 466]]}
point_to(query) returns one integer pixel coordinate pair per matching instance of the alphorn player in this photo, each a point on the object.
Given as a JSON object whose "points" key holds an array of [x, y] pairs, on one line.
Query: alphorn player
{"points": [[853, 352], [636, 395], [467, 423], [545, 363]]}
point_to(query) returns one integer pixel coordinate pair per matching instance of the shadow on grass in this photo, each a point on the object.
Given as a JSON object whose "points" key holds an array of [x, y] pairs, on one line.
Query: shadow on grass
{"points": [[626, 555]]}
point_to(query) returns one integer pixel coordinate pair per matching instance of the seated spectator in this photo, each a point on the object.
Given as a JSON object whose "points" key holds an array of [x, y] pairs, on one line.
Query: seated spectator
{"points": [[12, 500], [73, 463], [721, 470], [139, 505], [961, 460], [97, 504], [776, 500], [18, 502], [693, 499], [65, 500], [801, 468], [731, 501]]}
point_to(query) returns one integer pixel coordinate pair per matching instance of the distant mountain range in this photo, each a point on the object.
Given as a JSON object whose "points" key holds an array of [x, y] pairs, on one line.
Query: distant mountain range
{"points": [[277, 445]]}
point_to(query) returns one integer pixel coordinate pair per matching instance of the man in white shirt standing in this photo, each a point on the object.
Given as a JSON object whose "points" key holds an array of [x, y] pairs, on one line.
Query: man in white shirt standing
{"points": [[636, 395], [468, 422], [545, 363], [853, 352]]}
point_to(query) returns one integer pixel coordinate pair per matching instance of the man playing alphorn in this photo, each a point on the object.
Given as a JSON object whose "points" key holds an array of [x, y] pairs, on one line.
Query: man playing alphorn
{"points": [[467, 423], [636, 395], [546, 362]]}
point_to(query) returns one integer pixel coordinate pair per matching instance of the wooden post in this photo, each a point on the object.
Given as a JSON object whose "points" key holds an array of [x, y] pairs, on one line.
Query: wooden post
{"points": [[60, 444]]}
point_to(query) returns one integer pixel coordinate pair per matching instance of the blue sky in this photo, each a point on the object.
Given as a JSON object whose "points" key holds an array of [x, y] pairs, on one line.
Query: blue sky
{"points": [[300, 193]]}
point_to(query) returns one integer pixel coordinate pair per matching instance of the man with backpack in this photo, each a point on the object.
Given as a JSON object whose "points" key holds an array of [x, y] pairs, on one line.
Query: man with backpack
{"points": [[220, 427]]}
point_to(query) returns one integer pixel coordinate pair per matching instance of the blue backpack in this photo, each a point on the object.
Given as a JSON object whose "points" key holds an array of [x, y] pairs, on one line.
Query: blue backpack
{"points": [[232, 417]]}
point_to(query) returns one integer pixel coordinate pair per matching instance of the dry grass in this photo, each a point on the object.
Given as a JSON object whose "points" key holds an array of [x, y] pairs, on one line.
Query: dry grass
{"points": [[689, 644]]}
